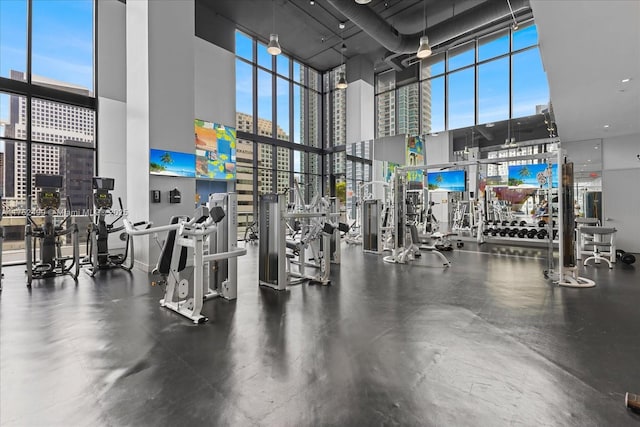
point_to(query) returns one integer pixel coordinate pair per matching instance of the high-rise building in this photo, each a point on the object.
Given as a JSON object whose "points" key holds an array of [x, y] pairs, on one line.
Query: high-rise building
{"points": [[265, 172], [59, 125], [339, 104]]}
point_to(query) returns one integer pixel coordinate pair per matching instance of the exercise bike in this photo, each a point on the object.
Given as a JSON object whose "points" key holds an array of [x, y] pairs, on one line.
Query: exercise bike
{"points": [[48, 237], [98, 255]]}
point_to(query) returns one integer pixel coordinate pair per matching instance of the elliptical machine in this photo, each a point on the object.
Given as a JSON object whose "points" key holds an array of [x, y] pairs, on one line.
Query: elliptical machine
{"points": [[98, 256], [48, 236]]}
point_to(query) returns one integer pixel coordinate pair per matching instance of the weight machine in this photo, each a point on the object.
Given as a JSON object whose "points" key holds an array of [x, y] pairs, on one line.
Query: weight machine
{"points": [[198, 260], [375, 219], [48, 237], [98, 256], [278, 255], [406, 238]]}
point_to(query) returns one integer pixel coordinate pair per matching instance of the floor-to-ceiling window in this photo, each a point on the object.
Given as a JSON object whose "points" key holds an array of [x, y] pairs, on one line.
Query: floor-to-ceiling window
{"points": [[491, 78], [279, 125], [47, 107]]}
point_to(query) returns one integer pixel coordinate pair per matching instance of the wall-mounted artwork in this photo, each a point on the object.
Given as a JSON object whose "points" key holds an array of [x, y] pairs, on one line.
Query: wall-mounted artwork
{"points": [[215, 150], [389, 170], [171, 163], [533, 176], [447, 181], [415, 157]]}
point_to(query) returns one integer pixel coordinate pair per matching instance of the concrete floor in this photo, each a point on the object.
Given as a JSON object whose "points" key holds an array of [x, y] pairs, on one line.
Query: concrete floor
{"points": [[487, 342]]}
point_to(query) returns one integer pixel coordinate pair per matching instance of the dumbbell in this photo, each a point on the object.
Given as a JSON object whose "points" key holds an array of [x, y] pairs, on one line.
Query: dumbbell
{"points": [[541, 234], [486, 231], [542, 223], [513, 223], [494, 231], [523, 223], [522, 233], [504, 232], [505, 223], [513, 232], [532, 233], [625, 257]]}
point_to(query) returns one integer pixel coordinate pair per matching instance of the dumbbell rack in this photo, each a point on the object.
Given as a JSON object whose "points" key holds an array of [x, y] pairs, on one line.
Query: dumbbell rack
{"points": [[512, 232]]}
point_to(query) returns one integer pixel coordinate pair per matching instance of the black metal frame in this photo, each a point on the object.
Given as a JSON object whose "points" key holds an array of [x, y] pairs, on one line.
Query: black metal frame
{"points": [[33, 91], [448, 72]]}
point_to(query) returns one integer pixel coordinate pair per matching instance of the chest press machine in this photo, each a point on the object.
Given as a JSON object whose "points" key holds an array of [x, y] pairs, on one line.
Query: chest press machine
{"points": [[198, 260]]}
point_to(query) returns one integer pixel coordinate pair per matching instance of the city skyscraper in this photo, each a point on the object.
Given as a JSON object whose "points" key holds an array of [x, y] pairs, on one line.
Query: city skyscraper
{"points": [[66, 128]]}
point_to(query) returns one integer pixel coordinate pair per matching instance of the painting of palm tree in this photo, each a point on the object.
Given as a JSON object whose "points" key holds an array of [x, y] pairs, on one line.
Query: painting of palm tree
{"points": [[166, 158], [524, 172]]}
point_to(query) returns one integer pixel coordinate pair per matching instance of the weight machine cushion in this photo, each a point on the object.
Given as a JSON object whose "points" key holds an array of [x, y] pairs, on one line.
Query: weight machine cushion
{"points": [[217, 214], [328, 228], [344, 228], [164, 262]]}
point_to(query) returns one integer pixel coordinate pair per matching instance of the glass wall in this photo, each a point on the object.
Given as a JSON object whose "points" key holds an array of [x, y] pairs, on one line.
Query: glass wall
{"points": [[47, 111], [279, 116], [492, 78]]}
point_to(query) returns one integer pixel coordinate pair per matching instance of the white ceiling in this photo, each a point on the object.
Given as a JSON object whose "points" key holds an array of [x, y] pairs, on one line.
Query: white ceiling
{"points": [[588, 47]]}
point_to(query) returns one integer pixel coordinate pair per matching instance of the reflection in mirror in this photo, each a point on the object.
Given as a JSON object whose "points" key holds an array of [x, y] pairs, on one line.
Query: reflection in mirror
{"points": [[587, 159]]}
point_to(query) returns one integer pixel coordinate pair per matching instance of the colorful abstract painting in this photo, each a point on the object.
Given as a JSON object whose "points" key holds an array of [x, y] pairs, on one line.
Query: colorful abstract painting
{"points": [[415, 157], [215, 151]]}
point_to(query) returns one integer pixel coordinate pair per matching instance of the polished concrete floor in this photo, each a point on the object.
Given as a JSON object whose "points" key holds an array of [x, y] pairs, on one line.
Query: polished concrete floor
{"points": [[487, 342]]}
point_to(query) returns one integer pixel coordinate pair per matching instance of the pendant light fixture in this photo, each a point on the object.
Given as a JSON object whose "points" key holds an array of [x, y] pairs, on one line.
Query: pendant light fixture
{"points": [[424, 51], [514, 26], [342, 81], [274, 47]]}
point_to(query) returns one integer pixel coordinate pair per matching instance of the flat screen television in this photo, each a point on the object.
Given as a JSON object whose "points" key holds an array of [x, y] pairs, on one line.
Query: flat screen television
{"points": [[447, 181], [532, 176], [172, 163]]}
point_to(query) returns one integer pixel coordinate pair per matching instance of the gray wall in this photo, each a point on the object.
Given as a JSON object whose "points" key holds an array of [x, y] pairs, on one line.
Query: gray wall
{"points": [[215, 90], [111, 93], [137, 120], [360, 111], [620, 177]]}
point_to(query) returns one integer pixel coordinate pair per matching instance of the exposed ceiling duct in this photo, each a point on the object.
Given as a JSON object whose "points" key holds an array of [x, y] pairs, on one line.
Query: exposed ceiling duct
{"points": [[381, 31]]}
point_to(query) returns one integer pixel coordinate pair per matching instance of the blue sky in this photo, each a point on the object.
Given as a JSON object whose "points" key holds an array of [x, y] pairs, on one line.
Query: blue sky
{"points": [[62, 50], [529, 83], [62, 41]]}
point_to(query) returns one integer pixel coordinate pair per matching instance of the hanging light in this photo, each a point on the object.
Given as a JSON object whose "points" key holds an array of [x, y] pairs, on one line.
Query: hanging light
{"points": [[514, 26], [424, 50], [342, 82], [274, 47], [363, 1]]}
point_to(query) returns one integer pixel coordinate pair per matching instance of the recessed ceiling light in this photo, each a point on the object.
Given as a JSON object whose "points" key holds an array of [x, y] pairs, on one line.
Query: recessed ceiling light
{"points": [[606, 126], [588, 160], [596, 147], [341, 25], [311, 2], [626, 80]]}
